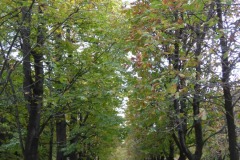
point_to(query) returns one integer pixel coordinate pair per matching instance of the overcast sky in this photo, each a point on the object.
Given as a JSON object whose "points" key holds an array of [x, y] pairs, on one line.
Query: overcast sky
{"points": [[129, 1]]}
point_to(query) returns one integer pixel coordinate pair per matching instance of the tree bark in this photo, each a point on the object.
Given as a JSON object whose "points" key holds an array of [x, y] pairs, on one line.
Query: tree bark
{"points": [[73, 155], [196, 100], [61, 135], [171, 151], [33, 89], [50, 153]]}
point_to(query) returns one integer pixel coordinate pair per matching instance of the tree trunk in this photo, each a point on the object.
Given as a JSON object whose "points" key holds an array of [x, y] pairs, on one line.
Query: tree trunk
{"points": [[61, 135], [196, 100], [33, 90], [228, 105], [73, 140], [51, 140], [171, 151]]}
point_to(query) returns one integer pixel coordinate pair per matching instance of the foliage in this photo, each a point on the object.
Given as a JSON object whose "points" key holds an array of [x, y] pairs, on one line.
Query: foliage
{"points": [[176, 79], [82, 76], [172, 66]]}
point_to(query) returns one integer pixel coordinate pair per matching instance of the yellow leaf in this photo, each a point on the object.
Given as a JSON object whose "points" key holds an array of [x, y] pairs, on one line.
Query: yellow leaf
{"points": [[172, 88], [181, 75]]}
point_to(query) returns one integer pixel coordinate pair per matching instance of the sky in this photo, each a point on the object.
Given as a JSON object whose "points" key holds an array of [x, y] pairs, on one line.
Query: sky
{"points": [[128, 1]]}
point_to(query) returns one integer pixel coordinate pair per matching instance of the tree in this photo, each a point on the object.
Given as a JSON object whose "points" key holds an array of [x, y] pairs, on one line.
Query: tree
{"points": [[51, 42], [67, 68], [226, 71], [173, 62]]}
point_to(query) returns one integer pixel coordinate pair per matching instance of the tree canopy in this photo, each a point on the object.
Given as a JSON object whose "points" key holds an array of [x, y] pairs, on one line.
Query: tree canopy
{"points": [[105, 79]]}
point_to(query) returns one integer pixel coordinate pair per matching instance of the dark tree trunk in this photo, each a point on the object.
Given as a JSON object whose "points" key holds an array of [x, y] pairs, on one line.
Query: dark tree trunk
{"points": [[50, 154], [196, 100], [73, 155], [171, 151], [182, 156], [228, 105], [61, 130], [61, 135], [33, 89]]}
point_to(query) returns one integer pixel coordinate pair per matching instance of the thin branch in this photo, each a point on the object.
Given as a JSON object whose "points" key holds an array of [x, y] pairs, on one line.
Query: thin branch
{"points": [[219, 131]]}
